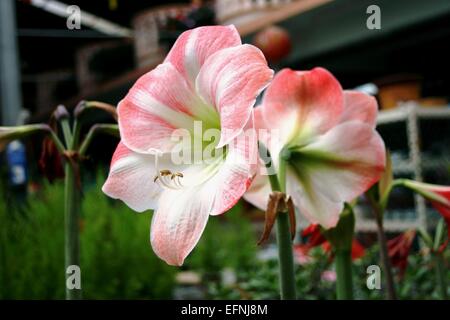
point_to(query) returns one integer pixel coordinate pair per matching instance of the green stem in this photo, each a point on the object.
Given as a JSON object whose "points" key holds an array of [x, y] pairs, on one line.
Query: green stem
{"points": [[59, 145], [72, 241], [67, 132], [441, 276], [344, 282], [112, 129], [76, 134], [284, 241], [71, 212], [285, 257]]}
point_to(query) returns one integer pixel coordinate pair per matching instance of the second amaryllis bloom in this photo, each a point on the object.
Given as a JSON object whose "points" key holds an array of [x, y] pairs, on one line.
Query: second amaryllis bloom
{"points": [[328, 137], [209, 78], [438, 195]]}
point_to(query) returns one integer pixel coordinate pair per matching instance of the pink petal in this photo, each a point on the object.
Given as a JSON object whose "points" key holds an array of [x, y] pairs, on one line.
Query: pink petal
{"points": [[259, 118], [131, 179], [178, 223], [159, 102], [349, 159], [182, 214], [259, 191], [230, 80], [236, 173], [297, 101], [314, 205], [193, 48], [360, 106]]}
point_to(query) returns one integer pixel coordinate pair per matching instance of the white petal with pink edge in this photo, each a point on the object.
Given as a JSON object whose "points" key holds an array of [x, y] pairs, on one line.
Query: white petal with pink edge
{"points": [[230, 80], [259, 191], [359, 106], [347, 161], [315, 206], [303, 103], [159, 103], [182, 214], [131, 179], [178, 223], [193, 47]]}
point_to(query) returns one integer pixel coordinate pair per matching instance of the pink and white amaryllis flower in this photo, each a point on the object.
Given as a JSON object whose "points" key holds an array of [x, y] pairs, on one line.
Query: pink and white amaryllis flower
{"points": [[210, 77], [329, 135]]}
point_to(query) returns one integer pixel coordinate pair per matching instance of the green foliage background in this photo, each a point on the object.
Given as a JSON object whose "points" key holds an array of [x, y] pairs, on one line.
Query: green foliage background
{"points": [[117, 261], [116, 258]]}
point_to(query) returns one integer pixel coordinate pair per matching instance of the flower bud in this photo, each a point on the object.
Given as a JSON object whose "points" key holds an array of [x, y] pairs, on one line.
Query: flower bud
{"points": [[61, 113]]}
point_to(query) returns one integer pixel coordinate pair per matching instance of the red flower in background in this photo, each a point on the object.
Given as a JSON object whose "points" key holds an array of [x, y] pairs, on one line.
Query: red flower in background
{"points": [[399, 248], [358, 249], [316, 238]]}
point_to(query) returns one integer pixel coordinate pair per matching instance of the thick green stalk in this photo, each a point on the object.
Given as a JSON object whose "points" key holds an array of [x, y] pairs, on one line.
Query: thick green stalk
{"points": [[67, 132], [441, 275], [341, 238], [72, 241], [71, 214], [284, 241], [344, 282], [285, 257]]}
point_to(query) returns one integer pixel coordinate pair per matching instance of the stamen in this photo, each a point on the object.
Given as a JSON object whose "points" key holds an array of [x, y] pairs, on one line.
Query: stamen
{"points": [[166, 178]]}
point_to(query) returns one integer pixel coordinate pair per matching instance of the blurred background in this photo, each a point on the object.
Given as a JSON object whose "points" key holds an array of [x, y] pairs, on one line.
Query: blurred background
{"points": [[45, 60]]}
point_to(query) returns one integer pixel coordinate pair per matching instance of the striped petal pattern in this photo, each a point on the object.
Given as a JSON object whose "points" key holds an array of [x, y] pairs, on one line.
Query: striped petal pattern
{"points": [[208, 77], [336, 154]]}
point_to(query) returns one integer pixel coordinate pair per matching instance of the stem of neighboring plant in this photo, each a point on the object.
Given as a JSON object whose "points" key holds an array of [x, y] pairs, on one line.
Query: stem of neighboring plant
{"points": [[111, 129], [75, 134], [71, 208], [344, 281], [59, 145], [384, 256], [439, 259], [441, 275], [284, 242], [67, 132]]}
